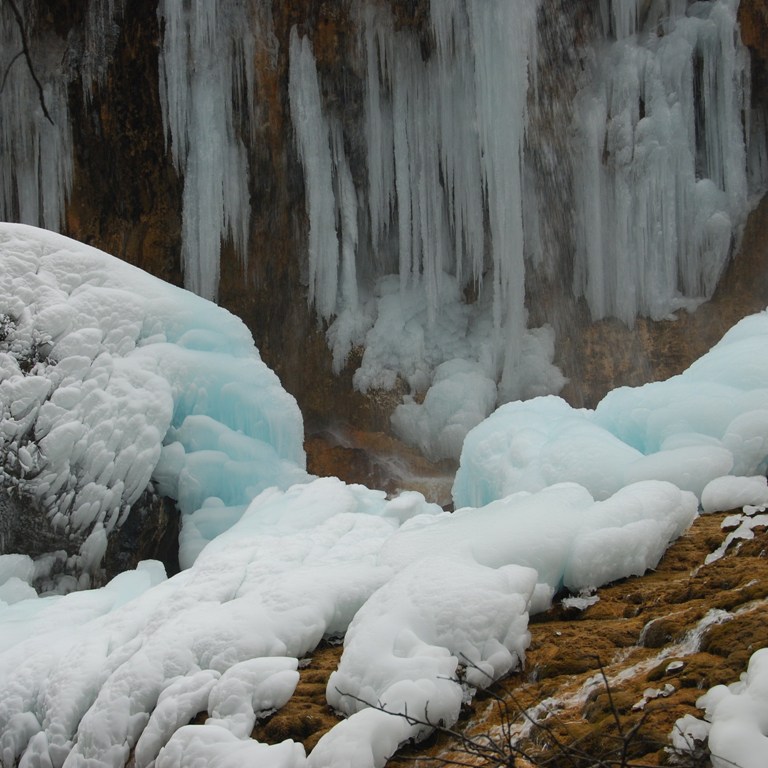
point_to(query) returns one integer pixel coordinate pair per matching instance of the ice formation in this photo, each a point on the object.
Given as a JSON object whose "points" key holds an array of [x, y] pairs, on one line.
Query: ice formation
{"points": [[656, 154], [658, 149], [431, 603], [709, 421], [36, 152], [111, 380], [206, 86], [91, 675], [36, 149], [660, 157]]}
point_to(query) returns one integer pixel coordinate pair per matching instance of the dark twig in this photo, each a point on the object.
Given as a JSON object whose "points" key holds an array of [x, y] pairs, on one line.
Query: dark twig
{"points": [[8, 69], [25, 52]]}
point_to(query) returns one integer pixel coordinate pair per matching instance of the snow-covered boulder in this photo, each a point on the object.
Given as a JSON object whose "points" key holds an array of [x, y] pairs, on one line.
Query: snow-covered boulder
{"points": [[116, 387]]}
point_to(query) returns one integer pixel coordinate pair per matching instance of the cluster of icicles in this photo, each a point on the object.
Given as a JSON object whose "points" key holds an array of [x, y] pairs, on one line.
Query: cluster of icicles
{"points": [[661, 165]]}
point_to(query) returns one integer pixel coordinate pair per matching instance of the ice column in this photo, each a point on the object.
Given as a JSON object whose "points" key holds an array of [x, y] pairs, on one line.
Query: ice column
{"points": [[659, 157], [36, 158], [445, 137], [331, 198], [206, 83]]}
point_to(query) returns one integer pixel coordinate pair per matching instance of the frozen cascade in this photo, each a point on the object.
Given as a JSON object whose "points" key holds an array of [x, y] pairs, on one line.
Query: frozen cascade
{"points": [[444, 144], [662, 173], [444, 155], [451, 207], [332, 218], [206, 86]]}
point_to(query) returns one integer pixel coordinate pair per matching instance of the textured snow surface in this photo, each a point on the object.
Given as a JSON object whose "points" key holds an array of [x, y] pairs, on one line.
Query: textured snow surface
{"points": [[111, 379], [708, 422], [431, 604], [90, 675], [102, 359]]}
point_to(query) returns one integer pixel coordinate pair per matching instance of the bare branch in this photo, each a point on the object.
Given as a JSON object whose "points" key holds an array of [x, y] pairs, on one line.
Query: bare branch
{"points": [[8, 69], [25, 52]]}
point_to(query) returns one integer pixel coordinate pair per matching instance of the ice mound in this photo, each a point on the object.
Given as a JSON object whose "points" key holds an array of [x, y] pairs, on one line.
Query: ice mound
{"points": [[112, 381], [709, 421], [430, 603]]}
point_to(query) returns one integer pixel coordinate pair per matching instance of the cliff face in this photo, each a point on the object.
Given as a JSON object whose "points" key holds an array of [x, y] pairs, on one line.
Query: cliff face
{"points": [[127, 198]]}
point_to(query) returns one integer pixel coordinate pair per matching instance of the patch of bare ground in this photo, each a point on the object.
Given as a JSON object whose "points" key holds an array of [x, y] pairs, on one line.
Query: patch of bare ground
{"points": [[307, 716]]}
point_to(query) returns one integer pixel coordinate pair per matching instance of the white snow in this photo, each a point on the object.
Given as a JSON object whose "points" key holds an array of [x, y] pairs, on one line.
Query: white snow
{"points": [[724, 493], [431, 604], [735, 721], [106, 409], [691, 429]]}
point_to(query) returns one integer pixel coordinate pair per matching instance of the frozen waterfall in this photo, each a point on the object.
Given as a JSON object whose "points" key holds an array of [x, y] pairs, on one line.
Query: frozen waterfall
{"points": [[453, 159], [206, 87], [451, 221]]}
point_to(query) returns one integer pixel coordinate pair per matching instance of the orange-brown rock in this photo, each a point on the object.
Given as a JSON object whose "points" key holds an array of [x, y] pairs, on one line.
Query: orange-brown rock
{"points": [[379, 461], [753, 19]]}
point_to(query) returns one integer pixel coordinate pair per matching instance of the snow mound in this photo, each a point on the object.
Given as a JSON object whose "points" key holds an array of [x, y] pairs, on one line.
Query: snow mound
{"points": [[709, 421], [91, 675], [735, 719], [431, 604], [111, 380]]}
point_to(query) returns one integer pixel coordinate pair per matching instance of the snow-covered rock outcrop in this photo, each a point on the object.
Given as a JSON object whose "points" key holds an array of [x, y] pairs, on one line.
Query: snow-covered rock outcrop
{"points": [[113, 382]]}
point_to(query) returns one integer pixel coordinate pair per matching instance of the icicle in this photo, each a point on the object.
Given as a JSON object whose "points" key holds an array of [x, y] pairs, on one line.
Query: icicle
{"points": [[663, 185], [313, 144], [346, 215], [207, 55]]}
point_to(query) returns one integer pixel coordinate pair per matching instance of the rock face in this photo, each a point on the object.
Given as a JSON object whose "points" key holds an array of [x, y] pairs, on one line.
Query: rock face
{"points": [[127, 196], [150, 532]]}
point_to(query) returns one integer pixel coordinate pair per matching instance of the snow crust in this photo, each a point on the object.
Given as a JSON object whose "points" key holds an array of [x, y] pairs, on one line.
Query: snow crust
{"points": [[707, 422], [111, 381], [724, 493], [320, 559]]}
